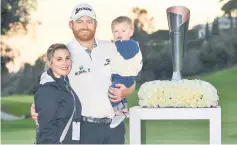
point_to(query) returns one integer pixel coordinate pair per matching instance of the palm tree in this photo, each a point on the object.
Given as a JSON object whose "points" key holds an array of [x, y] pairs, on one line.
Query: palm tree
{"points": [[228, 8]]}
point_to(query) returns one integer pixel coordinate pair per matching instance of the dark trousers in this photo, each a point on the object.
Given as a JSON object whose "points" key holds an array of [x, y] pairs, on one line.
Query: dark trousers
{"points": [[94, 133]]}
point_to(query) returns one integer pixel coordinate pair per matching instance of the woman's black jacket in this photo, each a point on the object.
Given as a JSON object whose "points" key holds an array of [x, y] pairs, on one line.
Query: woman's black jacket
{"points": [[54, 103]]}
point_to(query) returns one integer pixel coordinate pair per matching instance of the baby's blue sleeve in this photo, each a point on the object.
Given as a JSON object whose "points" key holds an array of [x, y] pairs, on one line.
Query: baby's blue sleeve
{"points": [[127, 49]]}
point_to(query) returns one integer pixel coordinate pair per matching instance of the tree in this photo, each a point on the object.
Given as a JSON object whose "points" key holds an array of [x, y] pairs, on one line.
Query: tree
{"points": [[215, 27], [228, 8], [14, 14], [219, 52], [207, 34], [142, 21], [15, 11]]}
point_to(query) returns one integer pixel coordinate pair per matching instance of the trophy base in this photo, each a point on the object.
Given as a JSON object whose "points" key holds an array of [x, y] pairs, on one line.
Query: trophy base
{"points": [[176, 76]]}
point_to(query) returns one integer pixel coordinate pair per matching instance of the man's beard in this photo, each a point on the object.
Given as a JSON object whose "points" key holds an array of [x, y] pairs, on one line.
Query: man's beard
{"points": [[84, 37]]}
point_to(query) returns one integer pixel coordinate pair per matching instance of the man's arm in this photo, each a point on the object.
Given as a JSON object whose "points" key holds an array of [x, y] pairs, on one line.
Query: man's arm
{"points": [[127, 91], [33, 113]]}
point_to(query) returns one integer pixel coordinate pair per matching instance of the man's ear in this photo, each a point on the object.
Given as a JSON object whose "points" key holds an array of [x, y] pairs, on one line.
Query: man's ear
{"points": [[95, 24], [70, 24]]}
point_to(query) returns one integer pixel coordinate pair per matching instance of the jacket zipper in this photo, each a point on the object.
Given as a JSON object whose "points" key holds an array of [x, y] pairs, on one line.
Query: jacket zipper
{"points": [[74, 100]]}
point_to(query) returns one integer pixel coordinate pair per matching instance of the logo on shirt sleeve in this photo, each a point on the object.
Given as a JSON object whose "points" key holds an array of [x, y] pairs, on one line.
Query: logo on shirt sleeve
{"points": [[107, 62], [82, 70]]}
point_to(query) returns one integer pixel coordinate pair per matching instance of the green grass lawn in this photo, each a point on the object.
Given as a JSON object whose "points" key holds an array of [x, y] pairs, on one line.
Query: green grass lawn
{"points": [[157, 132], [17, 105]]}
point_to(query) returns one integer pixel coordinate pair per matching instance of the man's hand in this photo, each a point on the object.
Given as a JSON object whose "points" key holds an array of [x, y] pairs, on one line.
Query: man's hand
{"points": [[34, 115], [116, 94]]}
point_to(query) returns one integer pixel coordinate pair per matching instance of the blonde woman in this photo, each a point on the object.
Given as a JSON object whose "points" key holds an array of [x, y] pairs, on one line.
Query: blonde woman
{"points": [[57, 105]]}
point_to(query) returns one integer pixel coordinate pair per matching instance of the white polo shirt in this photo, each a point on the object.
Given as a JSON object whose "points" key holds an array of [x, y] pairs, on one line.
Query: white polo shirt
{"points": [[90, 77]]}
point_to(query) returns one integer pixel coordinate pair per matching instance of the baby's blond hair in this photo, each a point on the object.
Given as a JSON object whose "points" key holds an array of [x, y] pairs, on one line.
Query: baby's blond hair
{"points": [[122, 19]]}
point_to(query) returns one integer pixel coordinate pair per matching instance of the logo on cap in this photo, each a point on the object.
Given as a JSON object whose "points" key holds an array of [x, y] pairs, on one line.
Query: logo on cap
{"points": [[82, 8]]}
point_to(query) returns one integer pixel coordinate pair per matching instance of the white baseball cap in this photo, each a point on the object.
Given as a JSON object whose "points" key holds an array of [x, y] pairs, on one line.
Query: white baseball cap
{"points": [[82, 9]]}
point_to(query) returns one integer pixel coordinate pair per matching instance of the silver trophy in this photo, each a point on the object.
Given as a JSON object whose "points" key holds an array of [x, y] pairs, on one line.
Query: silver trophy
{"points": [[178, 20]]}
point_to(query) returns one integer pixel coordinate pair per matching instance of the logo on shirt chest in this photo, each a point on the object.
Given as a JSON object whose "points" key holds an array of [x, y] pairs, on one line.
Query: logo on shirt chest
{"points": [[107, 62], [82, 70]]}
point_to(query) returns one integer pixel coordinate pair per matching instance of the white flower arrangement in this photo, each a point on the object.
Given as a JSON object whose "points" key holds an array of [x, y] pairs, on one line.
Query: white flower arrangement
{"points": [[181, 93]]}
